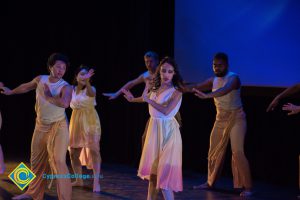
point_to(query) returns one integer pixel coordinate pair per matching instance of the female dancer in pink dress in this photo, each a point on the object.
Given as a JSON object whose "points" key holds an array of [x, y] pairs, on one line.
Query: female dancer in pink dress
{"points": [[161, 159]]}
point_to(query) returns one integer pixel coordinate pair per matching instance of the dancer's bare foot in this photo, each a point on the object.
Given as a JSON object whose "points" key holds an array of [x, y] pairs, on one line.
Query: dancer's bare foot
{"points": [[246, 193], [203, 186], [22, 196], [2, 168], [96, 186], [77, 183]]}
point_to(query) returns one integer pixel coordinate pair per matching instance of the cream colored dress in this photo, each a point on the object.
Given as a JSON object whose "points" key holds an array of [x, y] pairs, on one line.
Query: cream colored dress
{"points": [[85, 128], [162, 152]]}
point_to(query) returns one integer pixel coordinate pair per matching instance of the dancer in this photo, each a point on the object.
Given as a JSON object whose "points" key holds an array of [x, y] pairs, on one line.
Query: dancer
{"points": [[85, 129], [293, 109], [161, 158], [2, 164], [230, 125], [151, 61], [51, 136]]}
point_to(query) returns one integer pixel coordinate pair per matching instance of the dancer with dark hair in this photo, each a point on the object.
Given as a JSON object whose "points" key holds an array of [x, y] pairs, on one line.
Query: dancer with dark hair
{"points": [[85, 129], [51, 135], [151, 62], [161, 159], [230, 125]]}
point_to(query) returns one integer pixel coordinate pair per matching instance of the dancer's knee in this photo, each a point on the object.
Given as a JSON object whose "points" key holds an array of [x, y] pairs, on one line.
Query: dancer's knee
{"points": [[238, 155], [60, 163]]}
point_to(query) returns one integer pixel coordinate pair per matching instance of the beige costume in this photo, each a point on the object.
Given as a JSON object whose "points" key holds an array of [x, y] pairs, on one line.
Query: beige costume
{"points": [[230, 125], [49, 143]]}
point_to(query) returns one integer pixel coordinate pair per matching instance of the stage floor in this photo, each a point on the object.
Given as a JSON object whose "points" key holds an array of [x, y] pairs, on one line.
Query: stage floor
{"points": [[121, 183]]}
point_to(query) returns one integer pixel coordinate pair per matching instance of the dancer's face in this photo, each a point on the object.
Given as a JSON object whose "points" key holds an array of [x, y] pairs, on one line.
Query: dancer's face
{"points": [[58, 69], [166, 73], [151, 63], [80, 75], [220, 67]]}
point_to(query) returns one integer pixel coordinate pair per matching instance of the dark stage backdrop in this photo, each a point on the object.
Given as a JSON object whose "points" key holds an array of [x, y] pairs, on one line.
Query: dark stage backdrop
{"points": [[113, 37]]}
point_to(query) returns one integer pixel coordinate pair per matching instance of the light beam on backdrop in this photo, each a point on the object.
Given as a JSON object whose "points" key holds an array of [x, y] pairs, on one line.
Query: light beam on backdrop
{"points": [[261, 38]]}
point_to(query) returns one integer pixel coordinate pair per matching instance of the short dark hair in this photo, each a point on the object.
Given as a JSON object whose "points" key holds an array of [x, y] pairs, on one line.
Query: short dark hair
{"points": [[151, 54], [55, 57], [221, 56]]}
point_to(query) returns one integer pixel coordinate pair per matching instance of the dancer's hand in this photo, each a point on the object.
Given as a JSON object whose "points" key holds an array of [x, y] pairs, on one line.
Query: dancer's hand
{"points": [[294, 109], [128, 95], [6, 90], [47, 91], [111, 95], [1, 86], [273, 104], [200, 94], [87, 76]]}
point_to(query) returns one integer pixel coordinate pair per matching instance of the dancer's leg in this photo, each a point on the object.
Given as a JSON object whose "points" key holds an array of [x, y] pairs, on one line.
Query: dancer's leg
{"points": [[61, 142], [240, 165], [39, 163], [76, 165], [2, 165], [152, 191], [96, 159], [168, 194], [214, 166]]}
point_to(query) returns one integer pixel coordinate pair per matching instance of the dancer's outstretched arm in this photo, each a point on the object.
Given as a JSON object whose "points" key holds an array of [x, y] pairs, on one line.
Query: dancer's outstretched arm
{"points": [[23, 88], [127, 86], [232, 84], [287, 92], [203, 86]]}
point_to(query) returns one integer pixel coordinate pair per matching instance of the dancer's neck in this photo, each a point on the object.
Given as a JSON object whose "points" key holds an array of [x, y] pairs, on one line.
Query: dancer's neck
{"points": [[53, 79], [166, 85]]}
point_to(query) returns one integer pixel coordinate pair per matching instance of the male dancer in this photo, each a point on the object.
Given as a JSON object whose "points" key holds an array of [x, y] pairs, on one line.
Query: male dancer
{"points": [[230, 125], [51, 135], [151, 61]]}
